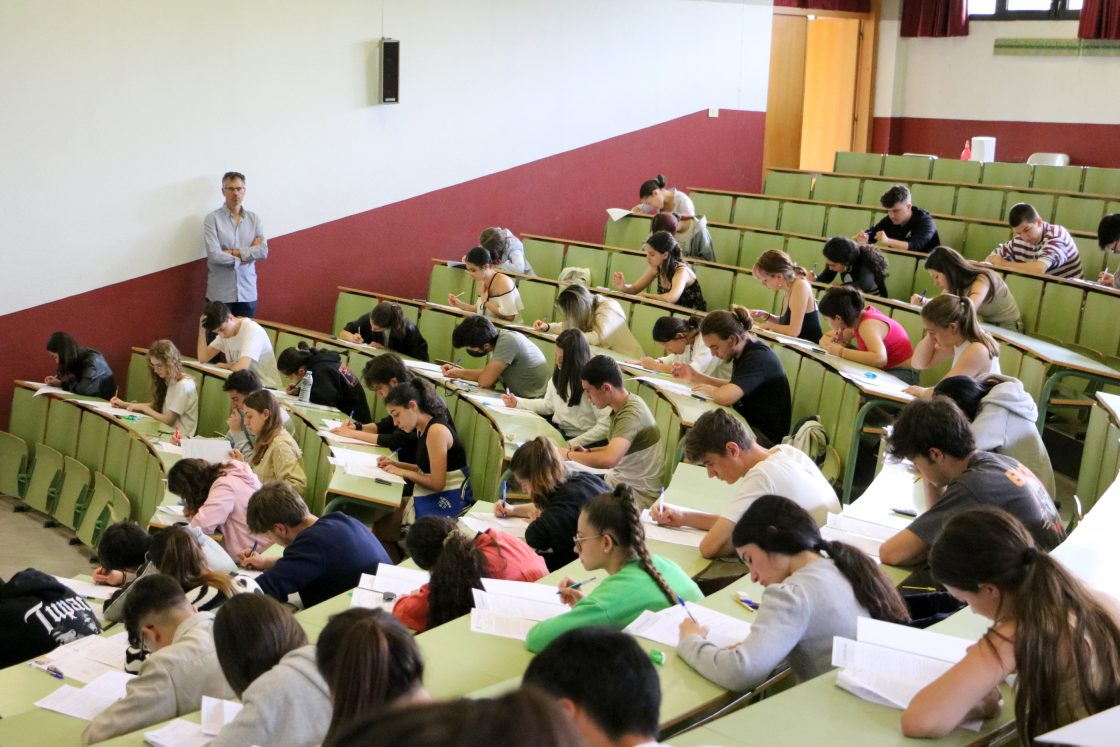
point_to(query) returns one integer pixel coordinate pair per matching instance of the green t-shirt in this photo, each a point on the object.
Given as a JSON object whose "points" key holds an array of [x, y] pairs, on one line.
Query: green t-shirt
{"points": [[526, 372], [640, 468], [617, 601]]}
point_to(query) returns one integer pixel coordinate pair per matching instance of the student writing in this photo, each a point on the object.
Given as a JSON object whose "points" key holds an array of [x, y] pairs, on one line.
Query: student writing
{"points": [[880, 342], [174, 394], [332, 383], [387, 328], [276, 455], [953, 332], [799, 317], [498, 297], [79, 369], [989, 294], [601, 319], [676, 282]]}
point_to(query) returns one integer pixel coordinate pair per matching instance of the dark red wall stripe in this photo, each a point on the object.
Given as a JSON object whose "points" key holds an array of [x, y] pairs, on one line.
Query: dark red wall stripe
{"points": [[389, 248], [1086, 144]]}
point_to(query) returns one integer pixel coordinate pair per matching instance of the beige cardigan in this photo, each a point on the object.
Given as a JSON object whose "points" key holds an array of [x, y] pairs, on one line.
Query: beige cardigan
{"points": [[283, 461], [609, 329]]}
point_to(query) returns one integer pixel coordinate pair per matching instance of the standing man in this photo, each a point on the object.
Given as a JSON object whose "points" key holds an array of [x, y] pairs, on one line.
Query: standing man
{"points": [[235, 242]]}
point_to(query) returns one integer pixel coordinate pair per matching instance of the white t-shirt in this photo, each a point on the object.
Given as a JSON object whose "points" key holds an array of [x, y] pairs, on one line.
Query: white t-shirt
{"points": [[251, 340], [182, 399], [790, 473], [699, 356]]}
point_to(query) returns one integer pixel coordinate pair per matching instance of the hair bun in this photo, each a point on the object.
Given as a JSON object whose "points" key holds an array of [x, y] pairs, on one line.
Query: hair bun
{"points": [[1030, 555]]}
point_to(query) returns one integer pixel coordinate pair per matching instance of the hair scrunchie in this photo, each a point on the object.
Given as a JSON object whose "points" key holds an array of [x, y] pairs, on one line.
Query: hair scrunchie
{"points": [[1029, 555]]}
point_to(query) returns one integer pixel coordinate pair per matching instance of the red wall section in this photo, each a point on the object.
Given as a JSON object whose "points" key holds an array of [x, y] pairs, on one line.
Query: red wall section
{"points": [[1086, 144], [389, 248]]}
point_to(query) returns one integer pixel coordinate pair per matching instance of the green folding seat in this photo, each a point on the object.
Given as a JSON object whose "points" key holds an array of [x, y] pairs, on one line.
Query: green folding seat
{"points": [[1010, 359], [630, 231], [1027, 290], [787, 184], [213, 406], [13, 465], [716, 283], [28, 419], [93, 435], [755, 243], [858, 163], [1060, 312], [725, 244], [910, 320], [437, 326], [96, 515], [907, 167], [1101, 181], [443, 281], [759, 212], [1099, 330], [873, 191], [1093, 260], [979, 202], [1007, 174], [805, 252], [45, 480], [138, 386], [630, 264], [831, 188], [953, 170], [63, 418], [348, 307], [1058, 178], [982, 238], [752, 294], [714, 206], [904, 269], [539, 298], [593, 258], [843, 221], [642, 318], [546, 257], [73, 493], [935, 198], [807, 395], [1042, 202], [951, 232], [1079, 213], [799, 217]]}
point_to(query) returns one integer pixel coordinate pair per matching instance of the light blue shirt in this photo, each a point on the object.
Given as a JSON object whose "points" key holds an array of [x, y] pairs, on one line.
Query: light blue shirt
{"points": [[229, 278]]}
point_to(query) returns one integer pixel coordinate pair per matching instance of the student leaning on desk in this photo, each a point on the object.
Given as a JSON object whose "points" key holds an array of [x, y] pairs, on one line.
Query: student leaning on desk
{"points": [[1108, 236]]}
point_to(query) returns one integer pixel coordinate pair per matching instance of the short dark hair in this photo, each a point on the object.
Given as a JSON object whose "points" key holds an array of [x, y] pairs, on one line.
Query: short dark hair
{"points": [[1021, 212], [275, 503], [602, 369], [123, 545], [926, 424], [607, 674], [474, 332], [894, 196], [232, 175], [251, 634], [382, 369], [1108, 230], [151, 595], [244, 381], [214, 315], [712, 432]]}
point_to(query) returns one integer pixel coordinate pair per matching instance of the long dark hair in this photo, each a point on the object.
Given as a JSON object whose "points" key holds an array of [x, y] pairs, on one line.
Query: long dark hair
{"points": [[777, 524], [70, 353], [844, 251], [566, 377], [175, 553], [456, 563], [293, 359], [1062, 633], [665, 243], [843, 301], [961, 273], [617, 514], [252, 632], [966, 391], [191, 480], [368, 660], [390, 316], [668, 327], [421, 392]]}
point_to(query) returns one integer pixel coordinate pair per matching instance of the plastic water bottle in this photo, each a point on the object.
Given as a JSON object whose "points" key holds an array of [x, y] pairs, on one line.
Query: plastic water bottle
{"points": [[305, 387]]}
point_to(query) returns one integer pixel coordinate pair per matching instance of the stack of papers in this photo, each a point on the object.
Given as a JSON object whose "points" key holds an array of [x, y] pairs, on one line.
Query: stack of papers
{"points": [[87, 658], [687, 536], [337, 439], [216, 713], [509, 609], [86, 702], [362, 464], [480, 522], [889, 664], [663, 627], [864, 535], [394, 579], [213, 450]]}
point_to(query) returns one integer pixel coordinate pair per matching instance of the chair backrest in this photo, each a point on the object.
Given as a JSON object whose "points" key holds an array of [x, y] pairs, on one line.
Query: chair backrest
{"points": [[213, 406], [977, 202], [908, 167], [13, 464], [716, 207], [858, 163], [46, 477], [802, 218], [1101, 181], [115, 464], [436, 326], [348, 307], [832, 188], [1007, 174], [29, 417], [843, 221], [63, 420], [546, 257], [1058, 178], [756, 211], [76, 485], [952, 170], [630, 231], [445, 280], [594, 259], [138, 386], [725, 244], [95, 517], [785, 184], [1079, 213]]}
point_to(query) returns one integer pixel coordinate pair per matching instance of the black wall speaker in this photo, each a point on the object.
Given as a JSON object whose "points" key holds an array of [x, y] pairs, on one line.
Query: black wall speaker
{"points": [[390, 71]]}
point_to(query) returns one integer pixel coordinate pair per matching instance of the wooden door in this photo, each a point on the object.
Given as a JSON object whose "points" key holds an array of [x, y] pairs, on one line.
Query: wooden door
{"points": [[785, 97], [832, 52]]}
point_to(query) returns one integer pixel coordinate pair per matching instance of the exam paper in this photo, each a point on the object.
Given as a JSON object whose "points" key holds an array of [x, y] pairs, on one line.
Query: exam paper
{"points": [[86, 702], [86, 588], [617, 214], [480, 522], [1098, 730], [49, 390], [87, 658], [117, 411], [178, 733], [489, 623], [506, 606], [213, 450], [337, 439], [688, 536], [395, 578], [663, 627], [673, 387], [542, 593], [216, 713]]}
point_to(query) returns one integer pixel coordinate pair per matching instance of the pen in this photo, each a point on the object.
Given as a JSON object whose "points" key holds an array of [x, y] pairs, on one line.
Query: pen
{"points": [[746, 603], [254, 548], [924, 294], [578, 584], [919, 588], [905, 512], [681, 600], [661, 502], [917, 478], [55, 672], [503, 498]]}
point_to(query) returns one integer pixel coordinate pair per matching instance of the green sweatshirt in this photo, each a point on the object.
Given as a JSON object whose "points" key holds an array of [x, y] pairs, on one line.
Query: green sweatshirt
{"points": [[617, 601]]}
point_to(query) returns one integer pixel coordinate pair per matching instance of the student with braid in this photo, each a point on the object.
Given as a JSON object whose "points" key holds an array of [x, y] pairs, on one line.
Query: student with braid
{"points": [[815, 589], [458, 564], [1061, 638], [610, 538], [953, 332], [369, 661]]}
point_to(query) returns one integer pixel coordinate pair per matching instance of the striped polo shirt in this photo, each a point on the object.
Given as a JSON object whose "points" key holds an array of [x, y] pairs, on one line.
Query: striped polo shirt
{"points": [[1056, 249]]}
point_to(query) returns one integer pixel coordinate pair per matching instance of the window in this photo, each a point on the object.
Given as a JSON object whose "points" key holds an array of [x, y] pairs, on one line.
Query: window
{"points": [[1024, 10]]}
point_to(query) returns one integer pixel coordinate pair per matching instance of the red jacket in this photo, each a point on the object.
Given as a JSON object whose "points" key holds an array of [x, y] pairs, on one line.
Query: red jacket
{"points": [[507, 558]]}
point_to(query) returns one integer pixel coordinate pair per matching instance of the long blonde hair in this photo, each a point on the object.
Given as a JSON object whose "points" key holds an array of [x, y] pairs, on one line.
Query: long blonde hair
{"points": [[166, 353], [947, 309]]}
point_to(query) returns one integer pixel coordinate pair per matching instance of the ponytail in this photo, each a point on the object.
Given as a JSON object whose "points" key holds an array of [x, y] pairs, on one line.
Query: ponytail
{"points": [[668, 327], [390, 316], [947, 309], [369, 660], [663, 242], [458, 569], [777, 262], [649, 186], [779, 525], [1062, 633], [617, 514], [727, 324], [293, 359]]}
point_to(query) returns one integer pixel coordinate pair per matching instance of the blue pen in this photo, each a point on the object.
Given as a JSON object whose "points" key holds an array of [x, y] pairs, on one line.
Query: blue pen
{"points": [[681, 600], [254, 548], [503, 498], [578, 584], [750, 604], [55, 672], [924, 294]]}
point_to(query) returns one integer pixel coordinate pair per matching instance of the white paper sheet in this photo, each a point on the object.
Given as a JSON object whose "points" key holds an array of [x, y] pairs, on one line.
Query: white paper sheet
{"points": [[117, 411], [86, 588], [480, 522], [505, 627], [216, 713], [334, 438], [49, 390], [687, 536], [87, 658], [423, 366], [213, 450], [170, 448], [506, 606], [672, 387], [396, 579], [178, 733], [868, 545], [852, 525], [543, 593], [617, 214], [86, 702], [663, 627], [1098, 730], [912, 640]]}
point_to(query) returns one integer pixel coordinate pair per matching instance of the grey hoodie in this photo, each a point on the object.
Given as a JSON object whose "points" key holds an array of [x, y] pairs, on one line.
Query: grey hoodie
{"points": [[1006, 424], [288, 705]]}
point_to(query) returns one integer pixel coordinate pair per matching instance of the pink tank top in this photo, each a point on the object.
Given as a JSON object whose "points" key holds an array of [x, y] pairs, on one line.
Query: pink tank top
{"points": [[897, 342]]}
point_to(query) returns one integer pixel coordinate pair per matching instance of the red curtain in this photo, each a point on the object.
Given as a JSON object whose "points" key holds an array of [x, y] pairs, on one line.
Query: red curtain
{"points": [[935, 18], [1100, 19], [851, 6]]}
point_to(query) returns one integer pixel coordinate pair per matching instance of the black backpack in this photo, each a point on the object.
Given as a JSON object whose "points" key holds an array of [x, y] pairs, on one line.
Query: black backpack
{"points": [[38, 614]]}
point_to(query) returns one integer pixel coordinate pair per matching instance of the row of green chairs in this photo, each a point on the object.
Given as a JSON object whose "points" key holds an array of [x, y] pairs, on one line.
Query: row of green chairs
{"points": [[1100, 459], [1075, 212], [1088, 179]]}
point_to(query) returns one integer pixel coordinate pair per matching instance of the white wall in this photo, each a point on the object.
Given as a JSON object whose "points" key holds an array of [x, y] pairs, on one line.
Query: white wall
{"points": [[961, 78], [121, 115]]}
